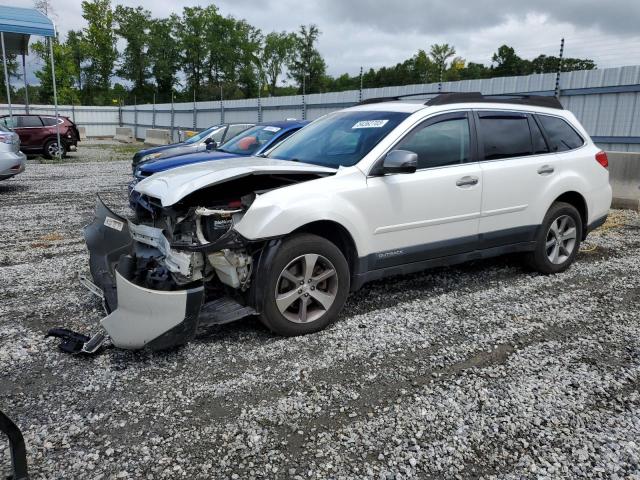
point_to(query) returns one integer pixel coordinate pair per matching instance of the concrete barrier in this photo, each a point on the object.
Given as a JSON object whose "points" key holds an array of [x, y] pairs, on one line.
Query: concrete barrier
{"points": [[83, 133], [624, 176], [124, 134], [157, 137]]}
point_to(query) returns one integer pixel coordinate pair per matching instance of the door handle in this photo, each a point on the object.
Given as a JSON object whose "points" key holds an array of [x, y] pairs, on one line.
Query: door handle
{"points": [[546, 170], [467, 181]]}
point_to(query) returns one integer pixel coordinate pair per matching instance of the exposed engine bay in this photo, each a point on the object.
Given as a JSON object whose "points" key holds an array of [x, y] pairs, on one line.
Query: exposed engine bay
{"points": [[193, 240], [174, 269]]}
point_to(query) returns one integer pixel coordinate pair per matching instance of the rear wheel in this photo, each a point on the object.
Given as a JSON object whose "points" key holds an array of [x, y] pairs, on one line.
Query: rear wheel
{"points": [[305, 287], [51, 149], [558, 240]]}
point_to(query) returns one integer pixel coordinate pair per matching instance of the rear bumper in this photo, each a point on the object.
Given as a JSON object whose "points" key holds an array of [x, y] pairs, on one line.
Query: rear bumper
{"points": [[12, 164], [139, 317]]}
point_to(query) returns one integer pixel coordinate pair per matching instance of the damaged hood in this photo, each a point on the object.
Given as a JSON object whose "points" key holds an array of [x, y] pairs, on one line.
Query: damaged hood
{"points": [[173, 185]]}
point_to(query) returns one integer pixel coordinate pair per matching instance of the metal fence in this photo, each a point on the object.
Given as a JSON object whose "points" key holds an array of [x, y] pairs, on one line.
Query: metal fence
{"points": [[606, 101]]}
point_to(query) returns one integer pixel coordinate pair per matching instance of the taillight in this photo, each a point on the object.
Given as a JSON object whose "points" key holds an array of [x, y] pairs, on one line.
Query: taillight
{"points": [[6, 138], [602, 159], [15, 167]]}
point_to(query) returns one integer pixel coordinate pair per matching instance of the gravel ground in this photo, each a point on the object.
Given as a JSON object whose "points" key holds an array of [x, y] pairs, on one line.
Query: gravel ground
{"points": [[478, 371]]}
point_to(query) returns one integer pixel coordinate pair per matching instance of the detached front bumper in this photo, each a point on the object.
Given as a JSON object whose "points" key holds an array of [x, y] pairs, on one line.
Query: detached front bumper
{"points": [[138, 317]]}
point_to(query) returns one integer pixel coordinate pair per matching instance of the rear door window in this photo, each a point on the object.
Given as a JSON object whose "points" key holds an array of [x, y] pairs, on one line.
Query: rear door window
{"points": [[29, 122], [561, 135], [504, 135]]}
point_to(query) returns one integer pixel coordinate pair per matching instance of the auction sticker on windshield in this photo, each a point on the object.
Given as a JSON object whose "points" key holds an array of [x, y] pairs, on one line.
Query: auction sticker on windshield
{"points": [[272, 129], [370, 124]]}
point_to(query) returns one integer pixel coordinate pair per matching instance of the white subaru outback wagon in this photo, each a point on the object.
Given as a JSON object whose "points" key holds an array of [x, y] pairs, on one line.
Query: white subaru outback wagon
{"points": [[380, 189]]}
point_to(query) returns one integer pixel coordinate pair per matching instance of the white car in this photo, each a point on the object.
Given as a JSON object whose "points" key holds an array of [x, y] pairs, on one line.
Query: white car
{"points": [[376, 190], [12, 160]]}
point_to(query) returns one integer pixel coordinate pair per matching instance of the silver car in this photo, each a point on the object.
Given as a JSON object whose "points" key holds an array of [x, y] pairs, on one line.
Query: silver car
{"points": [[12, 160]]}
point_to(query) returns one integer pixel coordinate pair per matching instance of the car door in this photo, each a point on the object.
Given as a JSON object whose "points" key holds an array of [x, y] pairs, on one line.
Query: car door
{"points": [[516, 166], [433, 212], [29, 128]]}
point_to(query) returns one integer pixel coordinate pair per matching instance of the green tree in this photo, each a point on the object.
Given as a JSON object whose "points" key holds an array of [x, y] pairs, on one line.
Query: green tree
{"points": [[100, 47], [440, 54], [133, 26], [245, 63], [191, 33], [474, 71], [220, 49], [76, 43], [278, 50], [507, 63], [66, 73], [547, 64], [12, 70], [307, 65], [163, 56]]}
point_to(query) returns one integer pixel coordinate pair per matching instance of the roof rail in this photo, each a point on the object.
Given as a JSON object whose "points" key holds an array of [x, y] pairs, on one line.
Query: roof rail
{"points": [[446, 98], [396, 98], [510, 98]]}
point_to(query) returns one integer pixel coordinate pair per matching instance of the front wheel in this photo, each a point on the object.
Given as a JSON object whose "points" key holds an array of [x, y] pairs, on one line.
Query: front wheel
{"points": [[558, 239], [51, 149], [305, 287]]}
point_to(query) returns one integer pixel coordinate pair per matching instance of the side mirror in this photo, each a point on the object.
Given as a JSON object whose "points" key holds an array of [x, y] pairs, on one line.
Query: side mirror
{"points": [[211, 144], [400, 161]]}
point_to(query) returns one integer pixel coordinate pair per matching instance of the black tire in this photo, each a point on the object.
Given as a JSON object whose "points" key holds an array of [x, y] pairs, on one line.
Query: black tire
{"points": [[540, 259], [49, 148], [288, 254]]}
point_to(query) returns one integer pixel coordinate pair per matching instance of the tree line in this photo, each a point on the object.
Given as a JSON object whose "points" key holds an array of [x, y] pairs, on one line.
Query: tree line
{"points": [[203, 55]]}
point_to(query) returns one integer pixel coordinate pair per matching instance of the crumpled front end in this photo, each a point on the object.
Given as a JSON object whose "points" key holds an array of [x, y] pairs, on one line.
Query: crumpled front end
{"points": [[138, 316], [153, 282]]}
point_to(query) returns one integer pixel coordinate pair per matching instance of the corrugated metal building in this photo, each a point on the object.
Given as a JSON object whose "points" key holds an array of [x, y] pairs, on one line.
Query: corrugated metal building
{"points": [[606, 101]]}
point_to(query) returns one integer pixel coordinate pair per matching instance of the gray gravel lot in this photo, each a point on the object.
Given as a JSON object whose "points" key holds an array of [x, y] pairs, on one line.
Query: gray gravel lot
{"points": [[479, 371]]}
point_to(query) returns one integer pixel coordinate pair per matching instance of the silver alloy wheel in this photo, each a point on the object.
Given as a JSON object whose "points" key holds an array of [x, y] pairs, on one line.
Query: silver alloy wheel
{"points": [[52, 149], [561, 239], [306, 288]]}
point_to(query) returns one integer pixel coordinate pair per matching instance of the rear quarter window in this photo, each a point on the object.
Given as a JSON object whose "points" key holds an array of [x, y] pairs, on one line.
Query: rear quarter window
{"points": [[50, 121], [561, 135]]}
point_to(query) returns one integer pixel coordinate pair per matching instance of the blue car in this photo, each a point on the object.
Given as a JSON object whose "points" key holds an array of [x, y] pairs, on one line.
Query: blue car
{"points": [[212, 136], [253, 141]]}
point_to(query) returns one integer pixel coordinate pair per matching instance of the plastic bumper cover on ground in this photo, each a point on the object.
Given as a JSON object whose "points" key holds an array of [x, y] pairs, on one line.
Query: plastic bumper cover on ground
{"points": [[152, 318], [139, 317]]}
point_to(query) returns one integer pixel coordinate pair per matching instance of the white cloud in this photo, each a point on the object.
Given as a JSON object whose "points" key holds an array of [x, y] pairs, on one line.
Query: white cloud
{"points": [[373, 33]]}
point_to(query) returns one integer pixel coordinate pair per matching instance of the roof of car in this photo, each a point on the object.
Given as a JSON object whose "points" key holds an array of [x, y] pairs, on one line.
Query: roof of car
{"points": [[413, 106]]}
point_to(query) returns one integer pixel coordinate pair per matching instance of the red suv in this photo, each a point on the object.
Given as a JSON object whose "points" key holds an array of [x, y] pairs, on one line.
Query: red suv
{"points": [[38, 133]]}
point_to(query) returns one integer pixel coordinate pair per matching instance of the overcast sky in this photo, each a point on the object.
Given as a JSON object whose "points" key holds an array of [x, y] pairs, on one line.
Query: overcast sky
{"points": [[373, 33]]}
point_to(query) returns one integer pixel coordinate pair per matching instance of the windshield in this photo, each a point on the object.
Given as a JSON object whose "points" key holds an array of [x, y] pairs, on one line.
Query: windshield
{"points": [[202, 135], [251, 140], [339, 139]]}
